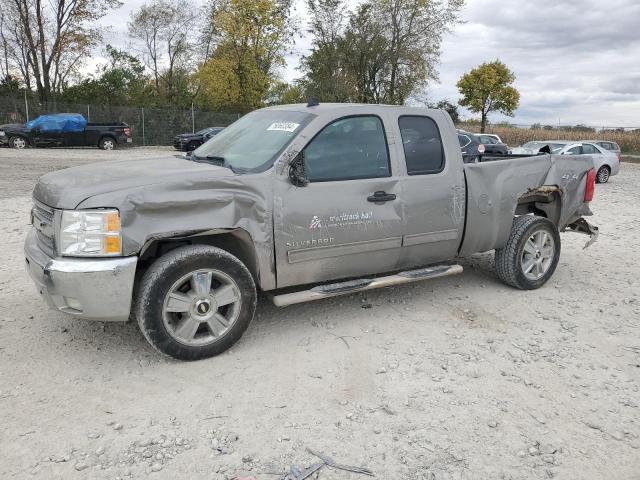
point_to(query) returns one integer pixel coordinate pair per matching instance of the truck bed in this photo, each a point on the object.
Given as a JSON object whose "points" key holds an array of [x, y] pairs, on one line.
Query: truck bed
{"points": [[502, 186]]}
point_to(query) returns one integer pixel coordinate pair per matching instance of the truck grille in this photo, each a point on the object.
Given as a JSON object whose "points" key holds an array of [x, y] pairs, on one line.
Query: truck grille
{"points": [[43, 223]]}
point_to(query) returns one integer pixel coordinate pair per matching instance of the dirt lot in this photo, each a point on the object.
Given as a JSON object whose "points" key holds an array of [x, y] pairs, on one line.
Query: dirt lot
{"points": [[458, 378]]}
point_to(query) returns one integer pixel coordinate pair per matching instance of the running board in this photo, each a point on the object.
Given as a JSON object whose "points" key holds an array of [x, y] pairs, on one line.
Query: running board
{"points": [[363, 284]]}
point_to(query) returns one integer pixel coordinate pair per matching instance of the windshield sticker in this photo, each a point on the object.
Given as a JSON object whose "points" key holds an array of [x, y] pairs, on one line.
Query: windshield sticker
{"points": [[284, 126]]}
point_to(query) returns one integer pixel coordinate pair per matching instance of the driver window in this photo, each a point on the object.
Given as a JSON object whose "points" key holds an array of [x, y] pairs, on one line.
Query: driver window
{"points": [[348, 149]]}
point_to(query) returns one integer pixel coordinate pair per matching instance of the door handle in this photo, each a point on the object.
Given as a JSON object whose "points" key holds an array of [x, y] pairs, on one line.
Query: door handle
{"points": [[380, 197]]}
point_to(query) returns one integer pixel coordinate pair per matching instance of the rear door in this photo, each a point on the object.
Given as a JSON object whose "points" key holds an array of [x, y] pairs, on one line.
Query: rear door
{"points": [[347, 222], [433, 189]]}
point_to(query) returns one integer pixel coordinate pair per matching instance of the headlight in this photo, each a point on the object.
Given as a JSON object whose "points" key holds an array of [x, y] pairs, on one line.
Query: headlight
{"points": [[2, 134], [90, 233]]}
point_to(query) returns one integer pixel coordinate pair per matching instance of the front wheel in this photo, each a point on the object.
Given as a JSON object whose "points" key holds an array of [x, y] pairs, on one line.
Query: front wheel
{"points": [[603, 174], [531, 254], [18, 142], [195, 302]]}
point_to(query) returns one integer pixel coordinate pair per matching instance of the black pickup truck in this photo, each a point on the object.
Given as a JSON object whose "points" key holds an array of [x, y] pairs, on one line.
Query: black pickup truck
{"points": [[65, 130]]}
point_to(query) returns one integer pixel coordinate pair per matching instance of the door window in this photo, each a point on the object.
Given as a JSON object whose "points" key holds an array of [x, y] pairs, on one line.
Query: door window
{"points": [[575, 151], [589, 149], [488, 140], [422, 145], [348, 149]]}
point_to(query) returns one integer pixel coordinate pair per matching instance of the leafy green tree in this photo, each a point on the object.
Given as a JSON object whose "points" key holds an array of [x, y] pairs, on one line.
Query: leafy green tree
{"points": [[386, 52], [283, 93], [251, 38], [489, 88], [121, 81], [450, 108], [324, 68]]}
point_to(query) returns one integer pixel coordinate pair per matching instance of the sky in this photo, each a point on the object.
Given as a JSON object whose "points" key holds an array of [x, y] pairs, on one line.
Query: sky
{"points": [[575, 61]]}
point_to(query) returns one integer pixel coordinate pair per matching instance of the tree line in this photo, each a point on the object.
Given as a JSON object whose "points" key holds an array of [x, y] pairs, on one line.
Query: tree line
{"points": [[228, 55]]}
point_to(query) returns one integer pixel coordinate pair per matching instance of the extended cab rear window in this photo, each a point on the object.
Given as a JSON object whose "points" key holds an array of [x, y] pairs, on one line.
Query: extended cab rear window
{"points": [[423, 151]]}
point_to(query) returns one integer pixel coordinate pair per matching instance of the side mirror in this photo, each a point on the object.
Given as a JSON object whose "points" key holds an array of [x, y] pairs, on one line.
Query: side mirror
{"points": [[297, 174]]}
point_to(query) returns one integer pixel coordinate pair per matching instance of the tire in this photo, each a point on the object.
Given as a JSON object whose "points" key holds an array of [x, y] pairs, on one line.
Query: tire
{"points": [[18, 142], [107, 143], [191, 146], [531, 254], [180, 316], [603, 174]]}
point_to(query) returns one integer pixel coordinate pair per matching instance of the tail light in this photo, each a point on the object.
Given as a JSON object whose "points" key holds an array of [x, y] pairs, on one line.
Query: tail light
{"points": [[590, 187], [127, 132]]}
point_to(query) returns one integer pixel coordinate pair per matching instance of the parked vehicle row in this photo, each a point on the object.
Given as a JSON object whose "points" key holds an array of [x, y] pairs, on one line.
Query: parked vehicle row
{"points": [[65, 130], [606, 161], [302, 201]]}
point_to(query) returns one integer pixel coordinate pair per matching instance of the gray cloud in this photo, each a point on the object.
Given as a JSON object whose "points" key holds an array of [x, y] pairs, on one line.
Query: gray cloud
{"points": [[574, 60]]}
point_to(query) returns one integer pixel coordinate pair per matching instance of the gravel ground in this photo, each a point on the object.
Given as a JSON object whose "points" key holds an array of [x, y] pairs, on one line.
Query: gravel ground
{"points": [[457, 378]]}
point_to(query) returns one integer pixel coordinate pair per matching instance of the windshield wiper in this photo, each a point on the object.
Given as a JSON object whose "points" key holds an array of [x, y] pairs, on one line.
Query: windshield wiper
{"points": [[214, 160]]}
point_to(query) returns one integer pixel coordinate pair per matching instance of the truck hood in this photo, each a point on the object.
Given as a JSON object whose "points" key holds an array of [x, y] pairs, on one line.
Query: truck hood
{"points": [[66, 189]]}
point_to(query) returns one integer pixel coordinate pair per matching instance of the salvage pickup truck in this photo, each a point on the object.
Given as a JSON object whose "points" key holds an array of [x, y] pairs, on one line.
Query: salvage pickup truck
{"points": [[65, 130], [303, 202]]}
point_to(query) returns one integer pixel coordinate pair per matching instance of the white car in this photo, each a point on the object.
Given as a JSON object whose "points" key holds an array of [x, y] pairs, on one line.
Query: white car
{"points": [[605, 162]]}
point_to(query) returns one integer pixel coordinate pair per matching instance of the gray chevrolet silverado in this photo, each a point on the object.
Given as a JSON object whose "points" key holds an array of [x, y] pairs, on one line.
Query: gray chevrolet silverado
{"points": [[303, 202]]}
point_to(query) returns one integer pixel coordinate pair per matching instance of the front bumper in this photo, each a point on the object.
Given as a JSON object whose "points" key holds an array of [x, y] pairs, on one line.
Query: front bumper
{"points": [[96, 288]]}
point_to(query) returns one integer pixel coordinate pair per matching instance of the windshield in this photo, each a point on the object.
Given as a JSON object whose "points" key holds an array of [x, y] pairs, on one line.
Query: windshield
{"points": [[252, 143]]}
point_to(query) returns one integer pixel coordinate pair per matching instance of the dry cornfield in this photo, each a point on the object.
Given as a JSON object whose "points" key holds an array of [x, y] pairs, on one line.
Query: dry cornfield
{"points": [[629, 141]]}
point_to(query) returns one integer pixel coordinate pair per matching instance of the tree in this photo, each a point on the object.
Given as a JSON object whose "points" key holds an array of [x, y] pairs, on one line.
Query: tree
{"points": [[386, 52], [166, 37], [450, 108], [489, 88], [324, 69], [121, 81], [250, 40], [50, 40], [414, 30]]}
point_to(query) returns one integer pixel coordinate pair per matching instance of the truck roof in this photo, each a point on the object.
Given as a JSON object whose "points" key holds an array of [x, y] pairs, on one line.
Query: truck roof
{"points": [[326, 107]]}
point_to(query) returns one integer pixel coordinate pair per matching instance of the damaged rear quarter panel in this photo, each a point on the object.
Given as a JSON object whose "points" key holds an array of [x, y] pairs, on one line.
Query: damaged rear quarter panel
{"points": [[493, 189], [198, 205]]}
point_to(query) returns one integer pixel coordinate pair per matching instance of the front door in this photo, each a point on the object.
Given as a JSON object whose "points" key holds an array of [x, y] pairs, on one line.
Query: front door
{"points": [[347, 222]]}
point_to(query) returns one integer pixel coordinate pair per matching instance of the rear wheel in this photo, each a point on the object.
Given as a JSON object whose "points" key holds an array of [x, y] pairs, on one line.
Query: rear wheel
{"points": [[107, 143], [603, 174], [531, 254], [195, 302], [18, 142]]}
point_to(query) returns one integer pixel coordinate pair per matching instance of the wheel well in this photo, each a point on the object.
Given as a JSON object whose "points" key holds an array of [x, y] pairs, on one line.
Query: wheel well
{"points": [[605, 166], [107, 135], [237, 242], [543, 201]]}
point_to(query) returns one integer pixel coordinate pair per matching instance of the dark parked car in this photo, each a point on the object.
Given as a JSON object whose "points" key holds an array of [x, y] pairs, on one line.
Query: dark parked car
{"points": [[472, 147], [65, 130], [493, 144], [187, 142]]}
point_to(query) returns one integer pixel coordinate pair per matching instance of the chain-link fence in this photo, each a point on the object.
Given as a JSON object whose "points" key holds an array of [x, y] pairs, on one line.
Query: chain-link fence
{"points": [[149, 126]]}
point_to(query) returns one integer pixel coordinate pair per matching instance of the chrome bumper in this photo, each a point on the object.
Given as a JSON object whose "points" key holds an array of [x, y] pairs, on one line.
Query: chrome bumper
{"points": [[96, 289]]}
